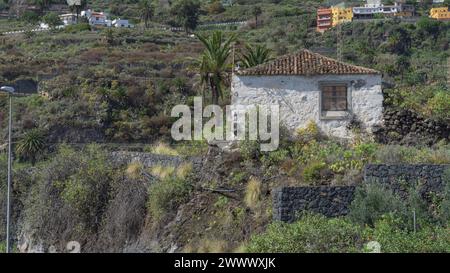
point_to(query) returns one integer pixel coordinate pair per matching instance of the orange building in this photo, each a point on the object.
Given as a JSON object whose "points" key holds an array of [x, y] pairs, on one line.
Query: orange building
{"points": [[441, 13], [324, 19]]}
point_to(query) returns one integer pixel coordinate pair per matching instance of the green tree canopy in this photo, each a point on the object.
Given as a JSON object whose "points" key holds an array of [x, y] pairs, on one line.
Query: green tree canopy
{"points": [[254, 56], [186, 13], [52, 19], [146, 10], [214, 62]]}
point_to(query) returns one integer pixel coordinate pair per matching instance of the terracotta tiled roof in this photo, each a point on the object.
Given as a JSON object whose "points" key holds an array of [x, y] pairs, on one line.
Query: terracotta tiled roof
{"points": [[305, 63]]}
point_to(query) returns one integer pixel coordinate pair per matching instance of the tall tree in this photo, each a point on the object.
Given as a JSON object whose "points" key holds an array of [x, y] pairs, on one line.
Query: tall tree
{"points": [[186, 13], [43, 4], [256, 11], [77, 8], [214, 62], [52, 19], [254, 56], [146, 11]]}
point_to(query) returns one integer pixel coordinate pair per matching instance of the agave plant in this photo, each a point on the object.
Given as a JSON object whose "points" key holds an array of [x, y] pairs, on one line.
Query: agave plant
{"points": [[255, 55], [214, 62], [31, 145]]}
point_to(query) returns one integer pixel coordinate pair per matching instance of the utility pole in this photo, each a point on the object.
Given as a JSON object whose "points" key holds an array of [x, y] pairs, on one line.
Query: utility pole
{"points": [[233, 60], [448, 73], [8, 195], [339, 46], [10, 91]]}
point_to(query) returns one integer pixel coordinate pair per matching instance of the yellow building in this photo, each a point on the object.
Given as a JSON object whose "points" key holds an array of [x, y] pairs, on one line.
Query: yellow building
{"points": [[441, 13], [341, 15]]}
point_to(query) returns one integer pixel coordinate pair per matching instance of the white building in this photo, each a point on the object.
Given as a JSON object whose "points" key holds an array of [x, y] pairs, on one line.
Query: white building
{"points": [[373, 3], [311, 87], [121, 23], [96, 18], [372, 8], [68, 19]]}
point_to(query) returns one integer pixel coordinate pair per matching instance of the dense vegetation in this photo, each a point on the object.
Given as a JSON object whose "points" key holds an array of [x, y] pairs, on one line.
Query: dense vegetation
{"points": [[116, 87], [376, 215]]}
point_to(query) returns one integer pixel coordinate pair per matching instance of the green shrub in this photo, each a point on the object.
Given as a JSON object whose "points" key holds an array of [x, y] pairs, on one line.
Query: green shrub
{"points": [[392, 237], [371, 201], [249, 149], [312, 173], [30, 17], [428, 100], [312, 233], [439, 105], [52, 19], [86, 187], [318, 234], [407, 154], [238, 177], [275, 157], [75, 183], [165, 195], [77, 28]]}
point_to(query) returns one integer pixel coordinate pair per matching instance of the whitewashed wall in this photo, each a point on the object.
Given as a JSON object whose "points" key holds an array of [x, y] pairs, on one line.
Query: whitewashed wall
{"points": [[298, 98]]}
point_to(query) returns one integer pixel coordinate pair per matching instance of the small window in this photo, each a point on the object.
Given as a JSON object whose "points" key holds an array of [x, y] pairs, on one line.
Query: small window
{"points": [[334, 98]]}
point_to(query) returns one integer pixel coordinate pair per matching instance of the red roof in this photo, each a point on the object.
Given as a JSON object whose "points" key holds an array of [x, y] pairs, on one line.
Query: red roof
{"points": [[306, 63], [97, 14]]}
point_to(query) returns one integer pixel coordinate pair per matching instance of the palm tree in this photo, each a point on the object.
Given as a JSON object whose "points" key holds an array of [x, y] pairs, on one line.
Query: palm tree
{"points": [[255, 55], [77, 8], [31, 145], [43, 4], [146, 10], [256, 11], [214, 62]]}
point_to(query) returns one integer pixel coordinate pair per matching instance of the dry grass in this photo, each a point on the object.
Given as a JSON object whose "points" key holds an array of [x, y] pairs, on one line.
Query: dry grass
{"points": [[207, 246], [240, 249], [253, 193], [180, 172], [134, 170], [163, 149], [184, 170], [162, 171]]}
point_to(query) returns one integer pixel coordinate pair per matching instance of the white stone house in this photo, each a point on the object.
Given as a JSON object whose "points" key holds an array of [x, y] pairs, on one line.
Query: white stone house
{"points": [[68, 19], [121, 23], [311, 87], [96, 18]]}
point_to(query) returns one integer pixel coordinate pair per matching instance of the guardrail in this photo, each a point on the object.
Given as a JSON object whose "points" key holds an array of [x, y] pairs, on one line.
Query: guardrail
{"points": [[38, 29]]}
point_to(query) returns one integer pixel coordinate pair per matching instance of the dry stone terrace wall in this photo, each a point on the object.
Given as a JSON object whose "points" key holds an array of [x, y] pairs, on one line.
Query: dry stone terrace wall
{"points": [[288, 202], [150, 159], [407, 127], [400, 177], [329, 201]]}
